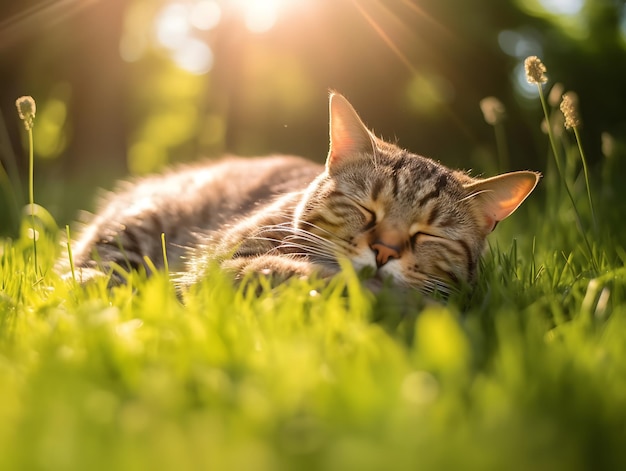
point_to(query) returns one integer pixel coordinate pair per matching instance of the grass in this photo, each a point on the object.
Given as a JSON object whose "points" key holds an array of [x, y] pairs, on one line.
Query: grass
{"points": [[525, 370]]}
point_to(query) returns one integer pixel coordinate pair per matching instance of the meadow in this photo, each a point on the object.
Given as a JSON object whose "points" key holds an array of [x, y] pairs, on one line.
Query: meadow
{"points": [[524, 370]]}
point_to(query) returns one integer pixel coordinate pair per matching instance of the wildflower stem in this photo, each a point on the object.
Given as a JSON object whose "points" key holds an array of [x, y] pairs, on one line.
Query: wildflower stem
{"points": [[31, 193], [586, 172], [163, 247], [562, 176], [69, 252]]}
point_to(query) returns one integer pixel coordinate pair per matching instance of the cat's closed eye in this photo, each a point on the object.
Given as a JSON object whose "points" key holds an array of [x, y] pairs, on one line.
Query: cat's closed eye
{"points": [[423, 235], [370, 217]]}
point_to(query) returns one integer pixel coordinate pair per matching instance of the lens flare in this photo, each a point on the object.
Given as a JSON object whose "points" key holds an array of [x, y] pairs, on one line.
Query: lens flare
{"points": [[172, 25], [261, 15], [205, 15]]}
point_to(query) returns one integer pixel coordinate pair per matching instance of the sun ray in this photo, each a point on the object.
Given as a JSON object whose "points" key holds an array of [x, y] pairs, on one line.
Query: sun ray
{"points": [[385, 37], [31, 19], [380, 31]]}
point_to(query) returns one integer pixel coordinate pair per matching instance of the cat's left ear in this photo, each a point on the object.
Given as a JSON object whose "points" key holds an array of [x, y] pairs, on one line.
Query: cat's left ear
{"points": [[497, 197], [349, 137]]}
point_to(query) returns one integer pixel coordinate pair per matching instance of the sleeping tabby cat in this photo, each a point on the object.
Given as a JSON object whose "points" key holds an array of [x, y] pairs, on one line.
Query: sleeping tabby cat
{"points": [[409, 218]]}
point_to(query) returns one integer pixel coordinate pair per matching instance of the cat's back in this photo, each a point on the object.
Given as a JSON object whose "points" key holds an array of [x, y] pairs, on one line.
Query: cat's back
{"points": [[196, 197], [228, 184], [204, 196]]}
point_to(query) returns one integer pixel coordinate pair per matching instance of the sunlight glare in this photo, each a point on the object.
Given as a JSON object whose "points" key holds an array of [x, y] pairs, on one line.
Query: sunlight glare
{"points": [[194, 56], [261, 15], [205, 15], [563, 7], [519, 45], [622, 24], [522, 87], [172, 25]]}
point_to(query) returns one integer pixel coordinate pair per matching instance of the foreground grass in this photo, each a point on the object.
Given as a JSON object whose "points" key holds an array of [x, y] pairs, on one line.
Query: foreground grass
{"points": [[524, 371]]}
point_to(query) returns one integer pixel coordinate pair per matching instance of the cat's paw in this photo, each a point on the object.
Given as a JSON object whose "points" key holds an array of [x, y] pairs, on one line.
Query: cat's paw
{"points": [[88, 275], [83, 275]]}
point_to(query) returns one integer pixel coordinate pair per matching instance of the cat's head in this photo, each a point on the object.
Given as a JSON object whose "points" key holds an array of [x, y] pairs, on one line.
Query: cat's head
{"points": [[406, 216]]}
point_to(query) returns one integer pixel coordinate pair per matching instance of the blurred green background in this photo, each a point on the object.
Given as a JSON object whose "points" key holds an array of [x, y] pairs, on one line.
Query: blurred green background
{"points": [[126, 87]]}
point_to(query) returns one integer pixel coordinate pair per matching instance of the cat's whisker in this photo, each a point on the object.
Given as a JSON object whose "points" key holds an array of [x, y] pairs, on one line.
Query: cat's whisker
{"points": [[309, 250], [323, 230], [289, 243], [438, 286], [317, 241], [473, 195], [301, 234]]}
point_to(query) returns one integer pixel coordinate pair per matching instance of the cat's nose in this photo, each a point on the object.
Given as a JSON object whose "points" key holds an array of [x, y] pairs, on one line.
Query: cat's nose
{"points": [[385, 251]]}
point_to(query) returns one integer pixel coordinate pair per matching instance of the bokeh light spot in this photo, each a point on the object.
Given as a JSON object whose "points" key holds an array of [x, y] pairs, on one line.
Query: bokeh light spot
{"points": [[522, 87], [518, 45], [194, 56], [172, 25], [132, 46], [622, 24], [145, 157], [213, 131], [261, 15], [563, 7], [205, 15], [427, 93], [50, 137], [173, 126]]}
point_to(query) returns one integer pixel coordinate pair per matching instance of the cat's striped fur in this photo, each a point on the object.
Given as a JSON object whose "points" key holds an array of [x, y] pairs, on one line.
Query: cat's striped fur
{"points": [[408, 217]]}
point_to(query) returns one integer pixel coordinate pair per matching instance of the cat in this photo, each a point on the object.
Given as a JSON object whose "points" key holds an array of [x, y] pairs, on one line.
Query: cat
{"points": [[408, 218]]}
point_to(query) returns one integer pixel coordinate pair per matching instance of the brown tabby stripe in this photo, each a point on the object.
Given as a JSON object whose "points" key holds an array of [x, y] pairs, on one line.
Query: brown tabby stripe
{"points": [[337, 206], [395, 187], [441, 182], [155, 226], [129, 257], [319, 219], [377, 188], [432, 217], [471, 263], [451, 275], [399, 164], [336, 194], [129, 244], [447, 222], [397, 167]]}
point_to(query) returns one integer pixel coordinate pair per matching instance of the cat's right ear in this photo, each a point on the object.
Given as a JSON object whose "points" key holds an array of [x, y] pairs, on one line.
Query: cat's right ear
{"points": [[497, 197], [349, 137]]}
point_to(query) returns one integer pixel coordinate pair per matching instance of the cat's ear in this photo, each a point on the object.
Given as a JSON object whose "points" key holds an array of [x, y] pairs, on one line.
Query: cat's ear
{"points": [[497, 197], [349, 137]]}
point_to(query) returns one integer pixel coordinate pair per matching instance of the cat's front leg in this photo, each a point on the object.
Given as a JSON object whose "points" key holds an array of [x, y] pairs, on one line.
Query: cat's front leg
{"points": [[278, 267]]}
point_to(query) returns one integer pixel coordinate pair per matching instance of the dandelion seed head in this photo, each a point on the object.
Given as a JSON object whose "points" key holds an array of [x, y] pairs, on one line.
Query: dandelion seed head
{"points": [[26, 110], [493, 110], [569, 108], [535, 70]]}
